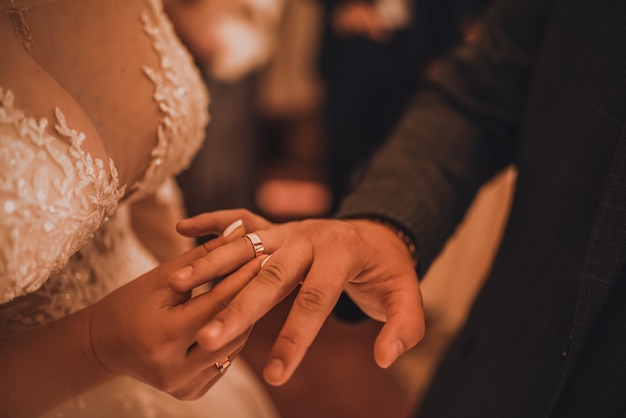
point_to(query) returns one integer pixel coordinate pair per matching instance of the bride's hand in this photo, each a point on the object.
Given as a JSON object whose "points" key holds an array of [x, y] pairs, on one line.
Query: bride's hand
{"points": [[148, 331]]}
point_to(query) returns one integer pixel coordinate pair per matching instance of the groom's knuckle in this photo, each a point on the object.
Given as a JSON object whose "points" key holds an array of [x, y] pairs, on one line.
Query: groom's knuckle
{"points": [[350, 236], [233, 310], [219, 305], [271, 275], [290, 341], [311, 300]]}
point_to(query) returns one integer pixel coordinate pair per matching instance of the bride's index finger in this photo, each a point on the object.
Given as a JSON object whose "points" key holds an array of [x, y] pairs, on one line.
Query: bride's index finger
{"points": [[218, 221]]}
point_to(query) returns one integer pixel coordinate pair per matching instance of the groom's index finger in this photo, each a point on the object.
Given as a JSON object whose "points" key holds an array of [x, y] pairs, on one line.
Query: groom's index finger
{"points": [[276, 279]]}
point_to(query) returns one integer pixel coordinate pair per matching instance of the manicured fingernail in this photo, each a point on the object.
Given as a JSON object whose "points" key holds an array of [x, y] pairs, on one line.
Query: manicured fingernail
{"points": [[231, 228], [183, 274], [274, 370], [265, 261]]}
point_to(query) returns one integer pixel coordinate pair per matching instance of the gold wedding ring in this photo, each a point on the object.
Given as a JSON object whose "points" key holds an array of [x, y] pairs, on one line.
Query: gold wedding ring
{"points": [[257, 245], [223, 364]]}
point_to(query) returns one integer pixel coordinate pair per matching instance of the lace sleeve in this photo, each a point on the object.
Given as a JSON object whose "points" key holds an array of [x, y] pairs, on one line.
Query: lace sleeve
{"points": [[53, 196]]}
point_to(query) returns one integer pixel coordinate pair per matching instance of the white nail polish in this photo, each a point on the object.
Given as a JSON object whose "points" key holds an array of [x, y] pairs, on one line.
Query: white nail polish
{"points": [[231, 228], [265, 261]]}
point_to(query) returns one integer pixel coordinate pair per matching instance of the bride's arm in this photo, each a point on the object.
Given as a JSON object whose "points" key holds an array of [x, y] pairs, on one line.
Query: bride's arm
{"points": [[47, 365]]}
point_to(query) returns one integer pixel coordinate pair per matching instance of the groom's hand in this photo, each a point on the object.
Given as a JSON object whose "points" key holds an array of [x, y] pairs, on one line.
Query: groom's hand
{"points": [[325, 258]]}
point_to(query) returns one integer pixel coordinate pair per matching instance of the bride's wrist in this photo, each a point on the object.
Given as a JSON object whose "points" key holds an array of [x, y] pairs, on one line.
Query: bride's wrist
{"points": [[47, 365], [77, 353]]}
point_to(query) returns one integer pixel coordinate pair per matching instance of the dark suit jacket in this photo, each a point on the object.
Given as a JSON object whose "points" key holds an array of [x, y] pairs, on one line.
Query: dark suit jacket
{"points": [[544, 89]]}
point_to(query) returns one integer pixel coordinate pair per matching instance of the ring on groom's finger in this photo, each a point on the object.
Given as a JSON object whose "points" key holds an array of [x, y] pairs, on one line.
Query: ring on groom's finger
{"points": [[223, 364], [257, 245]]}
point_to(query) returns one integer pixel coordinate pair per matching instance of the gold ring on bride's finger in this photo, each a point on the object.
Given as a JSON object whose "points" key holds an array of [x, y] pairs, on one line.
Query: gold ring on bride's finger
{"points": [[257, 245], [223, 364]]}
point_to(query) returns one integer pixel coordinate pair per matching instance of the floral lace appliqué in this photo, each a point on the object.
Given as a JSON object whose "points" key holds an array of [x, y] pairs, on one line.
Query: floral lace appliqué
{"points": [[53, 196]]}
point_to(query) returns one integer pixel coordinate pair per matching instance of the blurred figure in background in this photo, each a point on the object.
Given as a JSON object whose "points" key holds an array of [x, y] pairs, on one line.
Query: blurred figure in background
{"points": [[341, 73], [373, 52], [231, 41], [293, 183]]}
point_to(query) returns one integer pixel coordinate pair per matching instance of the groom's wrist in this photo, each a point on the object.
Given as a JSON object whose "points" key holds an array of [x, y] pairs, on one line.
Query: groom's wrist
{"points": [[400, 232]]}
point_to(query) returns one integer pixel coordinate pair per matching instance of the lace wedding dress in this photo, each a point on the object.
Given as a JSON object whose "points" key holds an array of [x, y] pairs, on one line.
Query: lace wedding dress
{"points": [[66, 238]]}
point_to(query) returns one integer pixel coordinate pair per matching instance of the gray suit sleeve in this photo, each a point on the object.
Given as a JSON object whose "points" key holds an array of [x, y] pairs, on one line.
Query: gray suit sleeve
{"points": [[458, 133]]}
